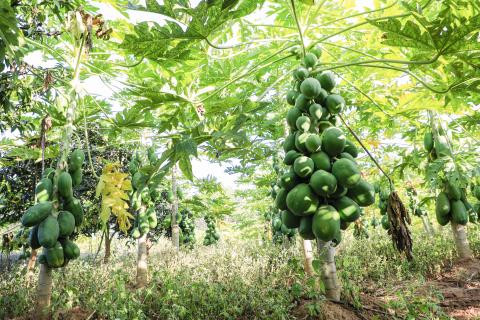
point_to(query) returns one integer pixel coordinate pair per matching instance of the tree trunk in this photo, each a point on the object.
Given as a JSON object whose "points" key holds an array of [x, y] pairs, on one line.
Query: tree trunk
{"points": [[308, 257], [427, 225], [31, 265], [44, 292], [175, 228], [108, 242], [142, 272], [329, 270], [461, 241]]}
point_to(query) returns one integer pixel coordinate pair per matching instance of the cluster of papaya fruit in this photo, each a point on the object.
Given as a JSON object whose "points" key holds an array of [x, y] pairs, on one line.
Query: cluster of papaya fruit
{"points": [[436, 147], [323, 190], [187, 228], [212, 235], [54, 219], [143, 196], [452, 205], [279, 230]]}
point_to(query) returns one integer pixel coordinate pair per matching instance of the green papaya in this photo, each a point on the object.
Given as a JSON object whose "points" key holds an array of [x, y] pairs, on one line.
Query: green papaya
{"points": [[43, 190], [301, 200], [323, 183], [321, 161], [291, 96], [77, 177], [289, 180], [385, 222], [289, 143], [346, 172], [54, 255], [442, 205], [280, 200], [292, 115], [48, 232], [428, 141], [303, 166], [362, 193], [348, 209], [290, 157], [302, 103], [76, 160], [313, 143], [65, 185], [289, 219], [74, 206], [334, 103], [36, 214], [305, 228], [301, 73], [303, 123], [459, 212], [310, 60], [33, 238], [310, 88], [70, 249], [333, 141], [327, 80], [350, 148], [49, 173], [453, 191], [317, 112], [326, 223], [66, 223]]}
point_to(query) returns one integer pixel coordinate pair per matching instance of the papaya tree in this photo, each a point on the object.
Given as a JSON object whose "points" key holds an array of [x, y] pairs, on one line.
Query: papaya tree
{"points": [[446, 174]]}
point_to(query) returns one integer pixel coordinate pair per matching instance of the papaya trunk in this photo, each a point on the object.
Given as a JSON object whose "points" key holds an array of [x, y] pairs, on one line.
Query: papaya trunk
{"points": [[461, 241], [329, 270], [108, 242], [308, 257], [175, 228], [31, 265], [142, 272], [44, 292], [427, 226]]}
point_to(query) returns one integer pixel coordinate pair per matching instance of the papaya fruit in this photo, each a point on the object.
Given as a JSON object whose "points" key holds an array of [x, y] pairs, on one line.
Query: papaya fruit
{"points": [[289, 219], [276, 224], [301, 200], [54, 255], [334, 103], [36, 214], [289, 143], [310, 88], [310, 60], [43, 190], [459, 212], [347, 208], [428, 141], [326, 223], [280, 200], [339, 192], [350, 148], [291, 96], [305, 228], [442, 205], [323, 183], [292, 115], [48, 232], [301, 140], [77, 177], [70, 249], [301, 73], [453, 191], [303, 166], [313, 143], [76, 160], [33, 238], [302, 103], [362, 193], [74, 206], [66, 223], [317, 51], [321, 161], [327, 80], [333, 141], [346, 172], [289, 180], [303, 123], [317, 112], [324, 125], [321, 100], [290, 157], [65, 185]]}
